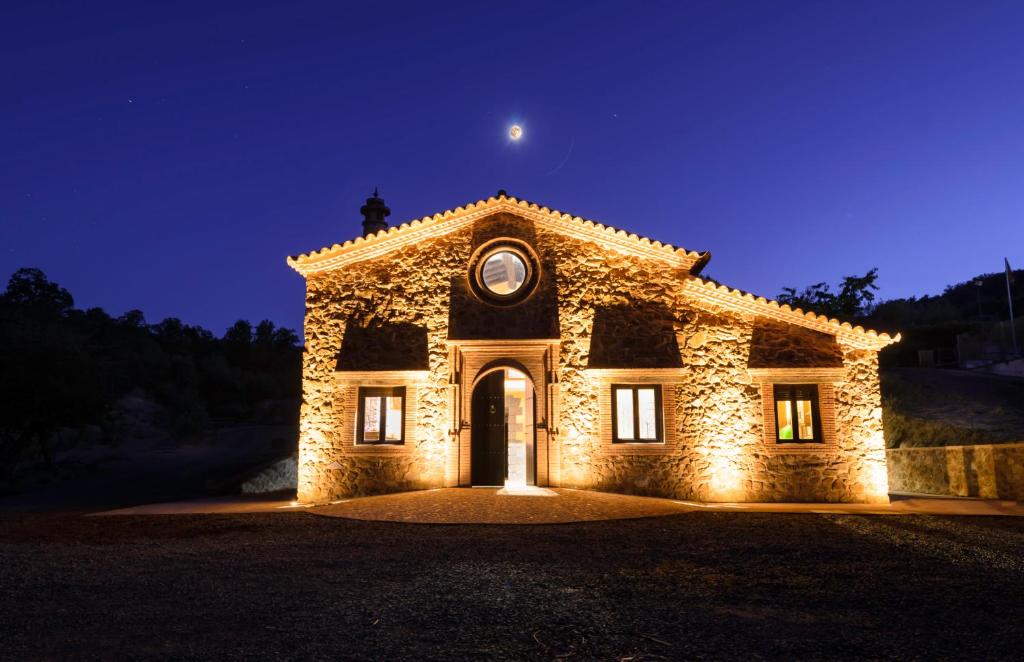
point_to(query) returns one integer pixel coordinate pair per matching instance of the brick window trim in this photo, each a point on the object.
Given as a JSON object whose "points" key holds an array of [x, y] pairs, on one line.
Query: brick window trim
{"points": [[665, 378], [826, 411], [659, 414], [346, 403], [365, 392]]}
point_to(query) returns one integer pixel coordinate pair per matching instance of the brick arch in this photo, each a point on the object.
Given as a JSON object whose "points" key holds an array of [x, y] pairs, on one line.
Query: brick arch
{"points": [[535, 359], [501, 364]]}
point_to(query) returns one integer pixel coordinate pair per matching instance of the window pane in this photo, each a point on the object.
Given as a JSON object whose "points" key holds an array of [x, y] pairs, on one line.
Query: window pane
{"points": [[624, 413], [785, 419], [503, 272], [648, 414], [371, 419], [805, 419], [393, 419]]}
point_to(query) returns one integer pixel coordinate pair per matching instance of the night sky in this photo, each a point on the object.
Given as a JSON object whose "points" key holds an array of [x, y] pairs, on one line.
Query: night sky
{"points": [[168, 156]]}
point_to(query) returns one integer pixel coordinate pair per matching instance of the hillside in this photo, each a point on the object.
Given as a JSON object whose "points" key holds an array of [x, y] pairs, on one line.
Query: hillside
{"points": [[932, 322], [950, 407]]}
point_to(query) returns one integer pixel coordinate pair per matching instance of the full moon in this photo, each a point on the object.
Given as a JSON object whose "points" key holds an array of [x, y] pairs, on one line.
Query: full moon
{"points": [[515, 132]]}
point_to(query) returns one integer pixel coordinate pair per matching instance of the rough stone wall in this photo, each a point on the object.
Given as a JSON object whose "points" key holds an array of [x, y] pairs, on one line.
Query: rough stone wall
{"points": [[721, 455], [987, 471], [281, 475], [406, 289], [858, 472]]}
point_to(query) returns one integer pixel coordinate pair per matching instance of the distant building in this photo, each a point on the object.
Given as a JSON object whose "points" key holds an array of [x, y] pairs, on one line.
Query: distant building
{"points": [[503, 342]]}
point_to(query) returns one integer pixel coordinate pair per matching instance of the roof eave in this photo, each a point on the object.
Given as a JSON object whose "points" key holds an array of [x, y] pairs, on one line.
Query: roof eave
{"points": [[362, 248], [856, 336]]}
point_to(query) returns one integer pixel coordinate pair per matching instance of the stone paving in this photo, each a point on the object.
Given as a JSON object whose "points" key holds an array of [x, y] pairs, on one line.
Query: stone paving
{"points": [[550, 506], [506, 506], [534, 505]]}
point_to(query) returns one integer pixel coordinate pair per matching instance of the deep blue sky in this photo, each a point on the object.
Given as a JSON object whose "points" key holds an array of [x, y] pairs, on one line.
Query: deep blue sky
{"points": [[168, 156]]}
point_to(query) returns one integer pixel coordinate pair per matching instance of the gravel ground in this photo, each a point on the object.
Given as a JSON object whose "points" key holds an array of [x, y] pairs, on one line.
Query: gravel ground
{"points": [[696, 585]]}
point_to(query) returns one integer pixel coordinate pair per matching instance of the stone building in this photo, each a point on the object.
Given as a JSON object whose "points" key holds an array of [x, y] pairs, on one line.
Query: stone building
{"points": [[505, 342]]}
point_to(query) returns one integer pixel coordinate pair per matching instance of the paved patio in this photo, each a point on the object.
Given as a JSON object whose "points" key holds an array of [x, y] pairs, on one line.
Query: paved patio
{"points": [[549, 506], [535, 505]]}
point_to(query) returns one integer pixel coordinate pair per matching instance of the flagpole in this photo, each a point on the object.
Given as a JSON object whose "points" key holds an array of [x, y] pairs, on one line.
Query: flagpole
{"points": [[1009, 298]]}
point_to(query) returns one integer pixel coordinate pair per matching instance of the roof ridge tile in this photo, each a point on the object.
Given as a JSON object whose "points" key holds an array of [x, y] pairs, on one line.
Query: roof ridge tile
{"points": [[647, 243]]}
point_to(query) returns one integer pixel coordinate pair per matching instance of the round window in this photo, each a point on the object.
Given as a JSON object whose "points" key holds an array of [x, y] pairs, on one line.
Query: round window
{"points": [[503, 272]]}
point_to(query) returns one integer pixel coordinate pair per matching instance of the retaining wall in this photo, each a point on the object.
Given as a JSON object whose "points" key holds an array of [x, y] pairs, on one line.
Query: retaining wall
{"points": [[990, 472]]}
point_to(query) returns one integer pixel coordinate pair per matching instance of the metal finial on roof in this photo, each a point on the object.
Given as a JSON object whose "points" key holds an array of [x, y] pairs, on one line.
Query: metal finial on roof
{"points": [[375, 194]]}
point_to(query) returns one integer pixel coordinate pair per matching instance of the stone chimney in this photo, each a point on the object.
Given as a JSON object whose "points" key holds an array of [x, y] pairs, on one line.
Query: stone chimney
{"points": [[374, 212]]}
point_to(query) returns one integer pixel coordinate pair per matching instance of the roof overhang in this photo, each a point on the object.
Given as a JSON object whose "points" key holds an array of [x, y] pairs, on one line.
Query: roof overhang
{"points": [[430, 227], [745, 302]]}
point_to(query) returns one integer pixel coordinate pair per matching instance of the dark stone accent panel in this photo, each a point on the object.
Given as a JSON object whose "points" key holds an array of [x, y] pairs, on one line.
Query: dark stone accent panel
{"points": [[536, 317], [377, 345], [638, 334], [776, 345]]}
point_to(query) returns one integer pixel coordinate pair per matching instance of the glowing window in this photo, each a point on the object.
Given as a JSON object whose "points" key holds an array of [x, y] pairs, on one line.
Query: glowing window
{"points": [[784, 418], [646, 415], [393, 419], [636, 414], [371, 419], [796, 414], [381, 416], [503, 273], [624, 413]]}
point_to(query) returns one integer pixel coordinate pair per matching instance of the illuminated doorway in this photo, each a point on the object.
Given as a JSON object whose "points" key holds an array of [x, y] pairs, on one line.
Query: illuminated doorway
{"points": [[503, 443]]}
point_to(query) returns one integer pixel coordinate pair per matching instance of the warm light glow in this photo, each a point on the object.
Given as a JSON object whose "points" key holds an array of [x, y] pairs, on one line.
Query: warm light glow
{"points": [[718, 432], [647, 418], [783, 414], [726, 480], [730, 464], [515, 132], [393, 431], [526, 490], [805, 419], [519, 426], [371, 419], [877, 479], [624, 409]]}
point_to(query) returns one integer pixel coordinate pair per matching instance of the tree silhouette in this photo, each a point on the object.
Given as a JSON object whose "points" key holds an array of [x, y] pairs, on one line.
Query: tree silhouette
{"points": [[855, 298], [64, 368], [30, 290]]}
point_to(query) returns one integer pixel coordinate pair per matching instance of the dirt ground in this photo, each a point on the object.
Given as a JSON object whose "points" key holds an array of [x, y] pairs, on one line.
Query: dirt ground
{"points": [[695, 585]]}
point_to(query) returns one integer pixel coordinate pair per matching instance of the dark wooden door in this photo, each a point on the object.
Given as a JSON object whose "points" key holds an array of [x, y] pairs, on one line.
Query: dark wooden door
{"points": [[488, 453]]}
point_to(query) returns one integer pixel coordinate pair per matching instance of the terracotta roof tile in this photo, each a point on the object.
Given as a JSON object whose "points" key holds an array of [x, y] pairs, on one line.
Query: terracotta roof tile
{"points": [[758, 305], [374, 245]]}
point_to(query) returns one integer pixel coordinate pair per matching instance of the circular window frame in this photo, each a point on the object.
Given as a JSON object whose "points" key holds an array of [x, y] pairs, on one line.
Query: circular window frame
{"points": [[518, 248]]}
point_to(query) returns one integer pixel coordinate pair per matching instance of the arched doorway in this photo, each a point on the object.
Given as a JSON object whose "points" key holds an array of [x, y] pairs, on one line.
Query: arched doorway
{"points": [[503, 434]]}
